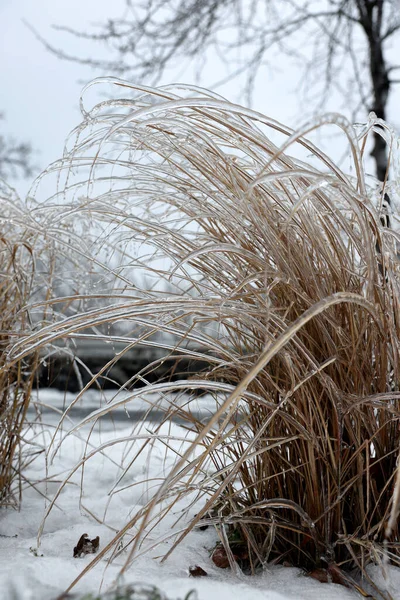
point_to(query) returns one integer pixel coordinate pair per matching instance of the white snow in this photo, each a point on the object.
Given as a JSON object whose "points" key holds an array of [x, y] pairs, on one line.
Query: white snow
{"points": [[24, 576]]}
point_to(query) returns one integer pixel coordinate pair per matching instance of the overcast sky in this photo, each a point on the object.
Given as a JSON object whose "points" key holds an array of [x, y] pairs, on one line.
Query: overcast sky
{"points": [[40, 93]]}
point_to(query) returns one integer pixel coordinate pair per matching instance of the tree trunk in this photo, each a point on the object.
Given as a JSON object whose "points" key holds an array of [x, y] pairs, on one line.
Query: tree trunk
{"points": [[371, 18], [381, 85]]}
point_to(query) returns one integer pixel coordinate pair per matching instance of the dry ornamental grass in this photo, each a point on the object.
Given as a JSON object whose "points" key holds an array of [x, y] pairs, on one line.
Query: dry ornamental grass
{"points": [[278, 273], [18, 255]]}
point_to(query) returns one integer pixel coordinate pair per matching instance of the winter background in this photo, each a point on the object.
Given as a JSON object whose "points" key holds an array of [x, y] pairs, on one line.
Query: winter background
{"points": [[39, 98], [40, 93]]}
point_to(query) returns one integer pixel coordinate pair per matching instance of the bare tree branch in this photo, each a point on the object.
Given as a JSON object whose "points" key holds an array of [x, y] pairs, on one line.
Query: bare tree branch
{"points": [[15, 157], [337, 41]]}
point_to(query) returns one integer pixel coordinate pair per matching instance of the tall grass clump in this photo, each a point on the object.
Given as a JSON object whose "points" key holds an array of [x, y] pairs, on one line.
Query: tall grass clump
{"points": [[284, 281], [18, 255]]}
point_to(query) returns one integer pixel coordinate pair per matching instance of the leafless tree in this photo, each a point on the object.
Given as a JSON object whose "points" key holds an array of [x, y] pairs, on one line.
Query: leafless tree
{"points": [[15, 157], [342, 45]]}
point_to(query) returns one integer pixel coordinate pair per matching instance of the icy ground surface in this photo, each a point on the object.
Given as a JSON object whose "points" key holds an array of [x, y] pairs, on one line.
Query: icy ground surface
{"points": [[31, 573]]}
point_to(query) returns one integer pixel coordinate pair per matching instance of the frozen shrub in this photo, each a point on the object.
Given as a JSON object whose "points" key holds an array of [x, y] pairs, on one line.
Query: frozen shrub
{"points": [[17, 275], [286, 284]]}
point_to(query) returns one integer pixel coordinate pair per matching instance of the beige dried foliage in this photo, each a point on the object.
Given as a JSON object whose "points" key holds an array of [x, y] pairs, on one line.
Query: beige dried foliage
{"points": [[286, 284], [17, 275]]}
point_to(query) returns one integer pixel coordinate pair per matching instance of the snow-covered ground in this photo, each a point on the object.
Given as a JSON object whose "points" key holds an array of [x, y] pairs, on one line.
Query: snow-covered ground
{"points": [[29, 572]]}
